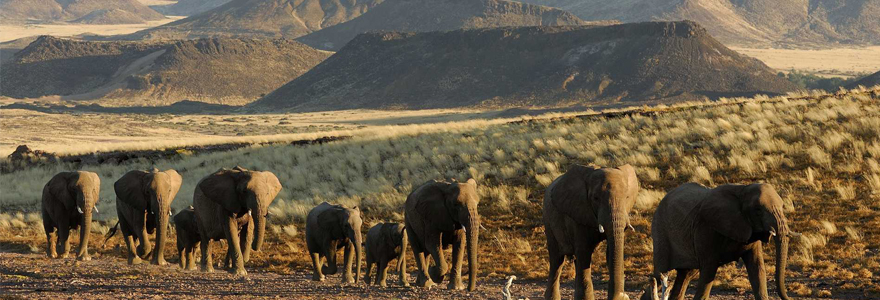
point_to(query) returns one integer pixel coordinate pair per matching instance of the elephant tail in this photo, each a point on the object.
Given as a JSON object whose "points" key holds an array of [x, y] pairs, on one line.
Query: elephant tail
{"points": [[110, 234]]}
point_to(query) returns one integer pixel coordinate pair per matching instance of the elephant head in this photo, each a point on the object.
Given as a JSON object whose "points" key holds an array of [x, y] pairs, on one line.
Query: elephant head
{"points": [[240, 191], [603, 201], [461, 202], [151, 192], [400, 239], [748, 213]]}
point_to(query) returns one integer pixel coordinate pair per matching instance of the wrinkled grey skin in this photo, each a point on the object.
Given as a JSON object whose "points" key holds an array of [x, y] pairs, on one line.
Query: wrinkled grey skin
{"points": [[68, 201], [226, 202], [386, 242], [143, 204], [188, 238], [331, 227], [700, 229], [439, 214], [583, 207]]}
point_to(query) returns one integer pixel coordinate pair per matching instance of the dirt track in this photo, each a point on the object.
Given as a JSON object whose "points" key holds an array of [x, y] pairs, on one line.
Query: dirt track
{"points": [[32, 276]]}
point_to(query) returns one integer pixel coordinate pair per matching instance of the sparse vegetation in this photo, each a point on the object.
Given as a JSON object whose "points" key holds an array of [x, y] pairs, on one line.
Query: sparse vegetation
{"points": [[812, 147]]}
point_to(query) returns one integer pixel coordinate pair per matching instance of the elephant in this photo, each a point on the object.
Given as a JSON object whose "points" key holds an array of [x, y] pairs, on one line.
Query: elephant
{"points": [[438, 214], [228, 201], [385, 242], [578, 207], [328, 228], [699, 229], [68, 201], [188, 237], [143, 203]]}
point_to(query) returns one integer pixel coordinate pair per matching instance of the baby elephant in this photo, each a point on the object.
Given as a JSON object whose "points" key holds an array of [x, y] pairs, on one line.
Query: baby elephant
{"points": [[328, 228], [385, 242], [187, 237]]}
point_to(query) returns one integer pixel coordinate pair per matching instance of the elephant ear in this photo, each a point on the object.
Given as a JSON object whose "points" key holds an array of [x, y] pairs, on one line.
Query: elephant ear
{"points": [[130, 189], [61, 190], [330, 221], [722, 212], [174, 181], [570, 195], [632, 180], [223, 188]]}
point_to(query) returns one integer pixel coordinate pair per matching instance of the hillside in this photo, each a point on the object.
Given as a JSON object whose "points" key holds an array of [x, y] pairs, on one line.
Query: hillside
{"points": [[261, 18], [528, 66], [190, 7], [224, 71], [80, 11], [439, 15], [761, 22], [868, 81]]}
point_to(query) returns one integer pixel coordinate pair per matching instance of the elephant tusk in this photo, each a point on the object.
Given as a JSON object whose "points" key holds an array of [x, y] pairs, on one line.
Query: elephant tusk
{"points": [[664, 286], [464, 229], [96, 209], [772, 232], [601, 229], [79, 209], [630, 227], [169, 213]]}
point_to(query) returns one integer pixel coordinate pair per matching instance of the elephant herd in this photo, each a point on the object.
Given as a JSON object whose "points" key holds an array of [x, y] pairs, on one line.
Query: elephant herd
{"points": [[695, 229]]}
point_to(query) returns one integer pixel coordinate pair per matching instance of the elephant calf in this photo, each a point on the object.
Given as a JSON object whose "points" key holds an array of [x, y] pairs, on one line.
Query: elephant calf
{"points": [[700, 229], [187, 237], [385, 242], [68, 201], [328, 228]]}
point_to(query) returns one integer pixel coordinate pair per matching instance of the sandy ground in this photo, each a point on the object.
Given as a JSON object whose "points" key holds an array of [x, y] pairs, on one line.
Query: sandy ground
{"points": [[12, 32], [841, 62], [33, 276]]}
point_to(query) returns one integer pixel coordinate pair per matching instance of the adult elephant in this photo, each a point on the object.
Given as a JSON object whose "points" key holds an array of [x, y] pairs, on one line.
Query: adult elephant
{"points": [[699, 229], [143, 203], [439, 214], [328, 228], [68, 201], [228, 201], [578, 208]]}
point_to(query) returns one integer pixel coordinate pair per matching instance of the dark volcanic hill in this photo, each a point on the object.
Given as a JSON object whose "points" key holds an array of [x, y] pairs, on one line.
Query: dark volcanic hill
{"points": [[190, 7], [527, 66], [103, 11], [764, 22], [868, 81], [439, 15], [261, 18], [225, 71]]}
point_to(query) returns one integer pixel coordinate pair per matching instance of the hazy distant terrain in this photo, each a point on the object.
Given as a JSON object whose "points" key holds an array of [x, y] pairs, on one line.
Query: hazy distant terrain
{"points": [[439, 15], [189, 7], [77, 11], [760, 22], [227, 71], [530, 66], [868, 81]]}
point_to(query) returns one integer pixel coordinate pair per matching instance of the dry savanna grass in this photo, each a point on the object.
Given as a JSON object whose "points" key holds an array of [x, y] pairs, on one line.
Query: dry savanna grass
{"points": [[821, 151]]}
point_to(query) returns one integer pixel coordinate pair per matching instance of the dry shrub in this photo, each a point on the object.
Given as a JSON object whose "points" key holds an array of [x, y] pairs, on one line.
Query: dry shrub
{"points": [[805, 247], [827, 228], [854, 234], [648, 199], [845, 191]]}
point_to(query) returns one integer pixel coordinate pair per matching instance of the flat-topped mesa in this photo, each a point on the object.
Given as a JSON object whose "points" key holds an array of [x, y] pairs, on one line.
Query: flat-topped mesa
{"points": [[625, 64]]}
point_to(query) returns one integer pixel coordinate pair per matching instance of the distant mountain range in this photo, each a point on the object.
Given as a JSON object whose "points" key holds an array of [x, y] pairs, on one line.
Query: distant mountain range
{"points": [[189, 7], [628, 64], [439, 15], [760, 22], [219, 70], [79, 11]]}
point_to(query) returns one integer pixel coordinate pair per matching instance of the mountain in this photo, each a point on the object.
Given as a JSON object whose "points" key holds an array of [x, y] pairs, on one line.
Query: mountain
{"points": [[190, 7], [439, 15], [635, 63], [261, 18], [748, 22], [867, 81], [124, 11], [218, 70]]}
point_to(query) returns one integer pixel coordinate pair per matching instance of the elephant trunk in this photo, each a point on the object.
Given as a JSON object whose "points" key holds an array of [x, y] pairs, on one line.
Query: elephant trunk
{"points": [[473, 238], [358, 248], [259, 219], [615, 253], [781, 240], [161, 237], [84, 230]]}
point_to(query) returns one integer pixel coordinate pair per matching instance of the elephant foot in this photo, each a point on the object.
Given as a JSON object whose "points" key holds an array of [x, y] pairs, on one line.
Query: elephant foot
{"points": [[159, 262], [455, 284], [208, 269], [62, 255], [424, 281], [621, 296], [404, 283], [238, 272], [52, 255], [84, 257], [436, 274], [190, 268], [552, 294], [135, 260], [348, 279], [318, 277]]}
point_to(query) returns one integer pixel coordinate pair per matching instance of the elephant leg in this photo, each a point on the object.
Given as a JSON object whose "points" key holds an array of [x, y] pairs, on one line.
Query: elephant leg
{"points": [[423, 280], [190, 257], [556, 260], [583, 285], [704, 284], [330, 247], [207, 265], [367, 278], [683, 277], [382, 272], [145, 249], [247, 238], [347, 276], [317, 264], [754, 261], [457, 261], [50, 236], [182, 254], [63, 238], [133, 258], [234, 249], [434, 246]]}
